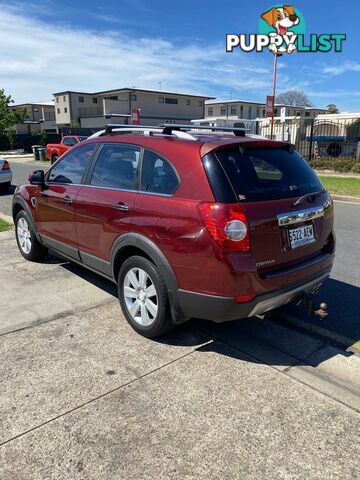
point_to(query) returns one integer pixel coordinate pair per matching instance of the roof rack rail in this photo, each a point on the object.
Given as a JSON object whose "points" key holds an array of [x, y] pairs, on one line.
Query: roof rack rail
{"points": [[128, 128], [168, 129]]}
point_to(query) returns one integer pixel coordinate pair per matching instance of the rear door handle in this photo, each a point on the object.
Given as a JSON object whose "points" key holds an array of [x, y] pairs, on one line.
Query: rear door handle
{"points": [[67, 199], [122, 207]]}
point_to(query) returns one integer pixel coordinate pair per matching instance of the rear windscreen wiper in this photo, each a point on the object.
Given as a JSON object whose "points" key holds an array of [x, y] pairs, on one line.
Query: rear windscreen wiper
{"points": [[308, 195]]}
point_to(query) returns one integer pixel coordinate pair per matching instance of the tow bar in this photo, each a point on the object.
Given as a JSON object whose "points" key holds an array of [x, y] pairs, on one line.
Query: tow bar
{"points": [[307, 300]]}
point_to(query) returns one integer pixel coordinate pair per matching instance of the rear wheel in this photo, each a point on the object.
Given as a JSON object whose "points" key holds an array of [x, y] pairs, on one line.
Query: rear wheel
{"points": [[143, 297], [30, 248]]}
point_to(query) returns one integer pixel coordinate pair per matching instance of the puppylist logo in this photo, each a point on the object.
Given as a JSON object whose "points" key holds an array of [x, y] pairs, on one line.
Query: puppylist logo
{"points": [[282, 30]]}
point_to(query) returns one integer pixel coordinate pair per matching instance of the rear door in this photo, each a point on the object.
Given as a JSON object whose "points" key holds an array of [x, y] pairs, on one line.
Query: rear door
{"points": [[105, 204], [270, 183], [55, 203]]}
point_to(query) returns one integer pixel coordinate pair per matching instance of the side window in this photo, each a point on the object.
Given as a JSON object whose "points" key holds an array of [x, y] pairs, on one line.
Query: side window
{"points": [[69, 142], [157, 175], [116, 167], [71, 168]]}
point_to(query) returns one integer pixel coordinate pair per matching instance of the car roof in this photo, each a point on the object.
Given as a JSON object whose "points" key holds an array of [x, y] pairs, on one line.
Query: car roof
{"points": [[205, 143]]}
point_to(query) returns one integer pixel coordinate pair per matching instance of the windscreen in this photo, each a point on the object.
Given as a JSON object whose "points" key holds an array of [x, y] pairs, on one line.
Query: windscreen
{"points": [[268, 173]]}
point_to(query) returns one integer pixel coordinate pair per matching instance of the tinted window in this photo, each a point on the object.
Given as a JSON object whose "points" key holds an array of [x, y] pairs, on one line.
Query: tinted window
{"points": [[71, 168], [158, 176], [69, 142], [268, 173], [116, 167]]}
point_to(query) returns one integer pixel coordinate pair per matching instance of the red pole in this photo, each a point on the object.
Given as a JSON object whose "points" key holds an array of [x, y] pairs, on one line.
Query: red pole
{"points": [[273, 93]]}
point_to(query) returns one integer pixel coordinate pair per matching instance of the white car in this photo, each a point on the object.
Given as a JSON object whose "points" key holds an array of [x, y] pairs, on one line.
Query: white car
{"points": [[5, 174]]}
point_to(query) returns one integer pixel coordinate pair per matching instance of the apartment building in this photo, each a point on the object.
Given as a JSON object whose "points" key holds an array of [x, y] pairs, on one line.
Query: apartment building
{"points": [[249, 110], [40, 116], [95, 110]]}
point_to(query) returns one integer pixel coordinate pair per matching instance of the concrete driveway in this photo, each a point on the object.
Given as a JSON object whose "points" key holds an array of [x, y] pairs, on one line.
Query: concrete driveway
{"points": [[84, 397]]}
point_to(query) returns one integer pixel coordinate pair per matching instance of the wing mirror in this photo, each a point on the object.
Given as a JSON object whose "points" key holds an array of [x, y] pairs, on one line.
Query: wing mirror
{"points": [[37, 177]]}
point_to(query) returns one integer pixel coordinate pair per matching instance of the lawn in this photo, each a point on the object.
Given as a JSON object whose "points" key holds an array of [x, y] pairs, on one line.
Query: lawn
{"points": [[4, 225], [342, 185]]}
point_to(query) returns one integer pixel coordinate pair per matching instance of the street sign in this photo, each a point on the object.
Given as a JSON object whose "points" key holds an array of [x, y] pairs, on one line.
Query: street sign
{"points": [[282, 114], [269, 106], [135, 116]]}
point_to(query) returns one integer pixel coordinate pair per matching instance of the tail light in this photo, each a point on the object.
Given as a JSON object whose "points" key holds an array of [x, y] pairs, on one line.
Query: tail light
{"points": [[227, 225], [6, 165]]}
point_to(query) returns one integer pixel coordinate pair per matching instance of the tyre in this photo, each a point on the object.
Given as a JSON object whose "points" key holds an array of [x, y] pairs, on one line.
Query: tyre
{"points": [[30, 248], [143, 297], [54, 158]]}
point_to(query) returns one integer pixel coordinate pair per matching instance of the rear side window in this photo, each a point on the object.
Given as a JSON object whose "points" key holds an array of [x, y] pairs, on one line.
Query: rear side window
{"points": [[268, 173], [71, 168], [158, 176], [116, 167]]}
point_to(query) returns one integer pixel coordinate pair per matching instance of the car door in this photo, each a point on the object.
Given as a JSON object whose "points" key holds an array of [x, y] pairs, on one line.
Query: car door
{"points": [[55, 202], [104, 206]]}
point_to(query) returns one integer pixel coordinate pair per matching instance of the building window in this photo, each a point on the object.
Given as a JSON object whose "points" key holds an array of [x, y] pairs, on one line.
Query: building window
{"points": [[94, 100], [263, 113], [307, 114], [223, 110], [64, 98], [210, 112], [298, 114], [133, 97], [188, 102], [161, 100], [257, 112], [241, 111], [57, 99], [233, 109], [65, 110], [58, 110], [173, 101], [81, 99], [200, 103], [36, 109], [276, 112], [249, 114]]}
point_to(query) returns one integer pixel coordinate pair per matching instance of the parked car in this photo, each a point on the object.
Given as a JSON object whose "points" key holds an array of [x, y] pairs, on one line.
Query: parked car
{"points": [[5, 174], [55, 150], [219, 227]]}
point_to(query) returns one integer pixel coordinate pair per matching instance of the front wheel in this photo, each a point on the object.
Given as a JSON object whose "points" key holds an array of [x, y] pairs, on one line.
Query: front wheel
{"points": [[143, 297], [29, 246], [54, 158]]}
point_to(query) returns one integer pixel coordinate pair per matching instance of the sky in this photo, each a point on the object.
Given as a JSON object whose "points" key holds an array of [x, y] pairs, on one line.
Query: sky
{"points": [[176, 45]]}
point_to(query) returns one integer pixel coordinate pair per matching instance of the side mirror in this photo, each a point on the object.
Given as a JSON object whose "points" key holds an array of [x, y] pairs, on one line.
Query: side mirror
{"points": [[37, 177]]}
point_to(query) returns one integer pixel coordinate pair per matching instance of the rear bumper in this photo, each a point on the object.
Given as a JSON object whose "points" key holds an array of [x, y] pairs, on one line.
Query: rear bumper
{"points": [[5, 176], [222, 309]]}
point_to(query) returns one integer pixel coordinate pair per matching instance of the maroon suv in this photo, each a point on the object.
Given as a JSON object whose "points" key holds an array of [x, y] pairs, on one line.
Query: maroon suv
{"points": [[219, 226]]}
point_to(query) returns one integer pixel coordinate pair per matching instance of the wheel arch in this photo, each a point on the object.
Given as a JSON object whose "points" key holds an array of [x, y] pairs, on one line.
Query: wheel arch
{"points": [[131, 244]]}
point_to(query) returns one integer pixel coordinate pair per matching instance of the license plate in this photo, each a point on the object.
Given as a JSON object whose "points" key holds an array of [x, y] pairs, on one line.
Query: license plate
{"points": [[300, 236]]}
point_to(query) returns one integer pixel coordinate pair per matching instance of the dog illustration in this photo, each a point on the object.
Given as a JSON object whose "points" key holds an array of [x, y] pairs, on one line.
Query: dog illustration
{"points": [[281, 19]]}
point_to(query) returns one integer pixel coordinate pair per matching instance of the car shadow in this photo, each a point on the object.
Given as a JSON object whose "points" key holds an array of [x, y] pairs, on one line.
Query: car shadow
{"points": [[4, 192]]}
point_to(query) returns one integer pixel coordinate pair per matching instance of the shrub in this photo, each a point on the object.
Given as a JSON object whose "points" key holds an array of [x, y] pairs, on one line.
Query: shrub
{"points": [[356, 167], [343, 165]]}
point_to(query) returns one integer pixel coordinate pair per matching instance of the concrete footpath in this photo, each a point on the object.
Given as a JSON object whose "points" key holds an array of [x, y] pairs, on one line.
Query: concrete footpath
{"points": [[84, 397]]}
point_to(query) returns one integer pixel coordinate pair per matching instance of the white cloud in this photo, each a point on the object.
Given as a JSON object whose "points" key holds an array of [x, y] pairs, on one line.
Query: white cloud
{"points": [[39, 58], [341, 68]]}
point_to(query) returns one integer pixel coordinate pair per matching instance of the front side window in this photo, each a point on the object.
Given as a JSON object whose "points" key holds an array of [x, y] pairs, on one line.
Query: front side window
{"points": [[157, 175], [116, 167], [69, 141], [71, 168]]}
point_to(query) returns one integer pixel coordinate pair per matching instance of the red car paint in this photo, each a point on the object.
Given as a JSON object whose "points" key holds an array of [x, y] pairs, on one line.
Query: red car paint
{"points": [[55, 150], [174, 224]]}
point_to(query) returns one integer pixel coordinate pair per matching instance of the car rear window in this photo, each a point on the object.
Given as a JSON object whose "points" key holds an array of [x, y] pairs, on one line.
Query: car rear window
{"points": [[268, 173]]}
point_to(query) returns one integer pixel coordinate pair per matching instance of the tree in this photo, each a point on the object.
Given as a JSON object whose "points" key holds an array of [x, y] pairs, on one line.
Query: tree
{"points": [[9, 116], [332, 108], [294, 98], [43, 138], [10, 133]]}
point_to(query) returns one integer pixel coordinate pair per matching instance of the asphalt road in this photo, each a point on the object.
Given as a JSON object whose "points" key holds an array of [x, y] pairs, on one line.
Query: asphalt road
{"points": [[341, 292]]}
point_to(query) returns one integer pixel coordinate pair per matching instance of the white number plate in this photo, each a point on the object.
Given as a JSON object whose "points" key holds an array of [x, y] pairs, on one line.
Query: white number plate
{"points": [[300, 236]]}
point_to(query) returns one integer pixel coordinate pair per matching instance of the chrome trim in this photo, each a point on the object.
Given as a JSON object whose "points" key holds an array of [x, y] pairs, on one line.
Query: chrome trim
{"points": [[292, 218]]}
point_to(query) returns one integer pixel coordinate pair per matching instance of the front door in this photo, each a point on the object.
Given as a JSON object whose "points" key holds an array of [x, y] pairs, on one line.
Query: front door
{"points": [[104, 207], [56, 202]]}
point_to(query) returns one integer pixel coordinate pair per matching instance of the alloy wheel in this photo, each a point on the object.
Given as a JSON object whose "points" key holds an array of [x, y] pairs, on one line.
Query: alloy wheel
{"points": [[24, 235], [140, 296]]}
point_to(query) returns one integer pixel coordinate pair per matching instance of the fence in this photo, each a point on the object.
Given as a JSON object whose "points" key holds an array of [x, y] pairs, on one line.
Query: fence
{"points": [[319, 137], [25, 142]]}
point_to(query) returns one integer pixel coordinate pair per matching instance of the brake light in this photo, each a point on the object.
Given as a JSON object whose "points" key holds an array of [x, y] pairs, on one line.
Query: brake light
{"points": [[227, 225], [6, 165]]}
